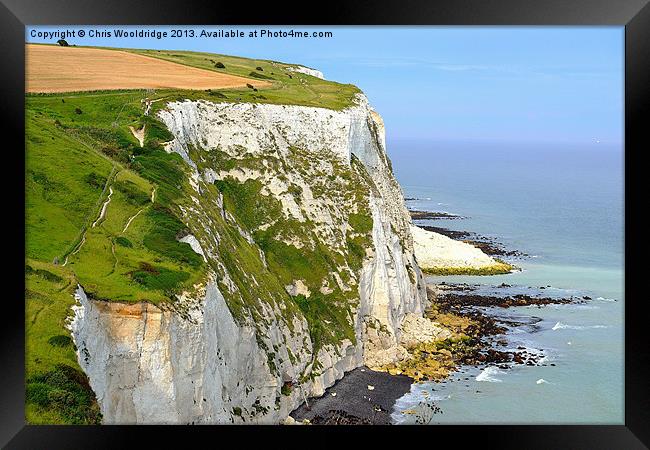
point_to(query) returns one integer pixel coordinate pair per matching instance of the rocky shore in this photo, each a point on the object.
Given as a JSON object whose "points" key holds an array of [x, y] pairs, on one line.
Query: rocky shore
{"points": [[475, 338], [452, 301], [487, 329], [432, 215]]}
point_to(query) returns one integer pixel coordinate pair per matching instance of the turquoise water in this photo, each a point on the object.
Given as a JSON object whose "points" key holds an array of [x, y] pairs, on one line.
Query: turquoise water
{"points": [[563, 206]]}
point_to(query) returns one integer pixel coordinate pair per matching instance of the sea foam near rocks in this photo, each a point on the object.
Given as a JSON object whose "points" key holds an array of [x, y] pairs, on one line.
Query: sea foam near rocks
{"points": [[489, 374]]}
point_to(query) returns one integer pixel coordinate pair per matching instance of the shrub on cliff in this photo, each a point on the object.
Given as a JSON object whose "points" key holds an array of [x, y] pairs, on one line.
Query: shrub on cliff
{"points": [[124, 242], [60, 340], [64, 391], [286, 389], [159, 278], [161, 238], [261, 76], [95, 180], [132, 193], [217, 94]]}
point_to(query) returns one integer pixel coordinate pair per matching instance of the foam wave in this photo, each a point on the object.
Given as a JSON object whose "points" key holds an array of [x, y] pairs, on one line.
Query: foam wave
{"points": [[563, 326], [489, 374], [605, 299], [570, 306]]}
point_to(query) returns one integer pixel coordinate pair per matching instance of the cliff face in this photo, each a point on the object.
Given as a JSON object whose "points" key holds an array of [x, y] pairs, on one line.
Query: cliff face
{"points": [[311, 270]]}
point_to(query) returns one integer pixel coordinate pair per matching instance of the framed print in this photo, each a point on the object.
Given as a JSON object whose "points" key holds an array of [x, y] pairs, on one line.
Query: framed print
{"points": [[374, 218]]}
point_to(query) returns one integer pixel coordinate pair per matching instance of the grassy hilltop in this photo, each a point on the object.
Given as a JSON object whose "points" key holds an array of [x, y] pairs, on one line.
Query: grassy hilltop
{"points": [[104, 212], [288, 87]]}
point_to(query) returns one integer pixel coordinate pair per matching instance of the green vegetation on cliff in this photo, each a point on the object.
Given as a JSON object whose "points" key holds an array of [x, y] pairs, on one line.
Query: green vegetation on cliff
{"points": [[293, 250], [87, 179], [90, 220]]}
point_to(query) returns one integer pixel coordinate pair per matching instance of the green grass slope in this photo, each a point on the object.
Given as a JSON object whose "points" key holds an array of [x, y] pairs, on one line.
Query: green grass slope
{"points": [[288, 87], [81, 159]]}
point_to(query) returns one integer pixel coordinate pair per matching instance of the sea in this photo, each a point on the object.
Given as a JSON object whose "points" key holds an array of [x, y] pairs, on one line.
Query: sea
{"points": [[563, 205]]}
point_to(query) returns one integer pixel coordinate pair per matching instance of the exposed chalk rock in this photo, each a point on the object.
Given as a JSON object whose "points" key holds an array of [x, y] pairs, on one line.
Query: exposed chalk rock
{"points": [[417, 329], [298, 288], [434, 250], [194, 243]]}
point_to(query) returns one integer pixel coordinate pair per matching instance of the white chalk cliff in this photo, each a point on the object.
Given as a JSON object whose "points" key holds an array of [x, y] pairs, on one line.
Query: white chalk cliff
{"points": [[223, 352], [307, 71]]}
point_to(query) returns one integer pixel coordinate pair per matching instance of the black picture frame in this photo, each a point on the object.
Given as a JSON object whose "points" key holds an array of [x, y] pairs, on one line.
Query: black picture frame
{"points": [[633, 14]]}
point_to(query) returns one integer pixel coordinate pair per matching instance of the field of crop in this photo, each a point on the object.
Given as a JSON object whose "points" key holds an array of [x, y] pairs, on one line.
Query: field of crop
{"points": [[67, 69]]}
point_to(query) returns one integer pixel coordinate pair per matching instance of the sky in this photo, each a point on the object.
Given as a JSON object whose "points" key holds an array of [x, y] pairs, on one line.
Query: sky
{"points": [[511, 84]]}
